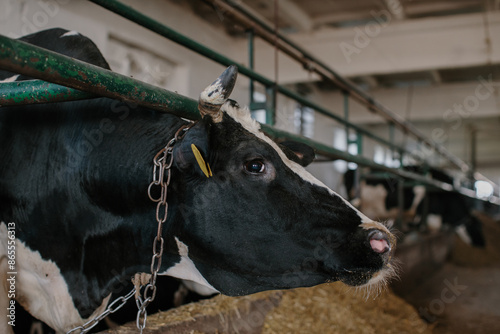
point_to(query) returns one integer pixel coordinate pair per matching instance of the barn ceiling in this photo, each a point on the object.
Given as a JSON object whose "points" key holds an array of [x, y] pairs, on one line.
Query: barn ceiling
{"points": [[305, 15], [312, 17]]}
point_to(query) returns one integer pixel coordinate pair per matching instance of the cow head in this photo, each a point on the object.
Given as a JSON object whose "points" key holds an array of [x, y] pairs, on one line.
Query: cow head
{"points": [[251, 218]]}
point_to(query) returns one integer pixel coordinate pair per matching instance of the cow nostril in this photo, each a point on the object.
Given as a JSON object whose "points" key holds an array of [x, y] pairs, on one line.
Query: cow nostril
{"points": [[379, 242]]}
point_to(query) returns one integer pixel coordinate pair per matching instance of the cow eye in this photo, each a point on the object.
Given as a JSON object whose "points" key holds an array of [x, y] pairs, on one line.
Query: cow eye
{"points": [[255, 166]]}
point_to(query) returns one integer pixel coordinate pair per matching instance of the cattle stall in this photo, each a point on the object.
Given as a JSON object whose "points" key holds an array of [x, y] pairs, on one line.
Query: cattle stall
{"points": [[61, 78]]}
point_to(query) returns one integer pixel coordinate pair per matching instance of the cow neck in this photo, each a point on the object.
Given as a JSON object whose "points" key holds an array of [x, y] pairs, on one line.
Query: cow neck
{"points": [[163, 161]]}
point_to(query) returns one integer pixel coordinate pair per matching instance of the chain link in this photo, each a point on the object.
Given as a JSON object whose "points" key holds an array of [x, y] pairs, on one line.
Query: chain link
{"points": [[162, 161], [112, 308]]}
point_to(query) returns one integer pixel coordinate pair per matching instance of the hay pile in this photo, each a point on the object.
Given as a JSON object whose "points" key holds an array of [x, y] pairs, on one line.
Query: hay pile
{"points": [[335, 308], [220, 314], [329, 308], [467, 256]]}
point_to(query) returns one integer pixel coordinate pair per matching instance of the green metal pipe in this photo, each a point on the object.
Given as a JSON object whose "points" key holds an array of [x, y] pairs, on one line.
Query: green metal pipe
{"points": [[334, 153], [23, 58], [161, 29], [346, 118], [251, 38], [37, 91], [325, 71], [19, 57], [359, 142], [339, 119], [271, 105], [391, 138], [157, 27]]}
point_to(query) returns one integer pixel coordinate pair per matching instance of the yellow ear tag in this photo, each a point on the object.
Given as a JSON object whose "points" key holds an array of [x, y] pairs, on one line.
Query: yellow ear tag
{"points": [[205, 167]]}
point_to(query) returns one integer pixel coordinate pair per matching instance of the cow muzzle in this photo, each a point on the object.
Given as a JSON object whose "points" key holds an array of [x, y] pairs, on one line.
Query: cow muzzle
{"points": [[381, 242]]}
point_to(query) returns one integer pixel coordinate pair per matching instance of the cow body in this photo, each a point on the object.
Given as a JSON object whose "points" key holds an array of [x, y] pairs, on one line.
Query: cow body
{"points": [[378, 199], [74, 180]]}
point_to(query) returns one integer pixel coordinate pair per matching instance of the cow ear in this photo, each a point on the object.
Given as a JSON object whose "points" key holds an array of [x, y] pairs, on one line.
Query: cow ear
{"points": [[300, 153], [192, 152]]}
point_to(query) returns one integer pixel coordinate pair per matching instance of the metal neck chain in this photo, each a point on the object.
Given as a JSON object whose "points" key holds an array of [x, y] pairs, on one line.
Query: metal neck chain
{"points": [[112, 308], [163, 161], [162, 172]]}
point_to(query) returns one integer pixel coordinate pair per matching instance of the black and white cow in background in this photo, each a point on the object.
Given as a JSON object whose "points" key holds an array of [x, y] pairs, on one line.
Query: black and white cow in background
{"points": [[73, 183], [378, 199]]}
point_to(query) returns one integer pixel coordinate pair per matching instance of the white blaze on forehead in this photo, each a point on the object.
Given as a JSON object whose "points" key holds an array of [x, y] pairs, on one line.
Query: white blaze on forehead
{"points": [[70, 33], [10, 79], [41, 288], [187, 270], [242, 116]]}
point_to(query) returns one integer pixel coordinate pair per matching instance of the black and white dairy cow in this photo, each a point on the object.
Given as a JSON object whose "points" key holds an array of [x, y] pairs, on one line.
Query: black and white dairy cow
{"points": [[378, 198], [73, 190]]}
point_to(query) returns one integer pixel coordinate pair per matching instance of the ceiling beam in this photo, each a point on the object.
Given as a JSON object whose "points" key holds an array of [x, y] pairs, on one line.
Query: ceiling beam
{"points": [[393, 47], [443, 105], [416, 8], [333, 18]]}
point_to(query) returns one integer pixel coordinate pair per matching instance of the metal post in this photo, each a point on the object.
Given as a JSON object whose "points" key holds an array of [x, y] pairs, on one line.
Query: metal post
{"points": [[359, 143], [391, 139], [250, 35], [271, 105], [346, 118], [401, 199], [473, 150]]}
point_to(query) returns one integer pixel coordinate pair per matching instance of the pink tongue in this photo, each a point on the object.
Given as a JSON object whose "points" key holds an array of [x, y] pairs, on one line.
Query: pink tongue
{"points": [[379, 246]]}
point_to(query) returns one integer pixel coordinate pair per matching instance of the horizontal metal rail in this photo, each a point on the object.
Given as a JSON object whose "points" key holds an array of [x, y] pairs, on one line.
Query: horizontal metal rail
{"points": [[306, 59], [311, 63], [334, 153], [85, 81], [159, 28], [28, 92], [238, 12], [37, 91], [20, 57]]}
